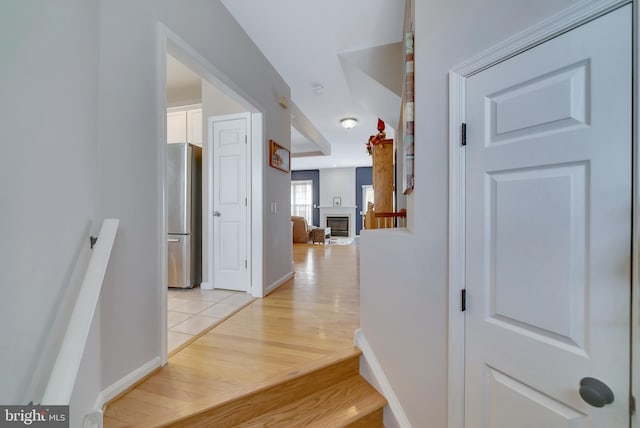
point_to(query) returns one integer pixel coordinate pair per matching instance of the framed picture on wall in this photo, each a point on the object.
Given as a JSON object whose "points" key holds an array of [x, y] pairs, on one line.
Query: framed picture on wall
{"points": [[337, 201], [279, 157]]}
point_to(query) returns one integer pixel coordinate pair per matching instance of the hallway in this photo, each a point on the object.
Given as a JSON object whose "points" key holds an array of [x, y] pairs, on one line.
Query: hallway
{"points": [[307, 322]]}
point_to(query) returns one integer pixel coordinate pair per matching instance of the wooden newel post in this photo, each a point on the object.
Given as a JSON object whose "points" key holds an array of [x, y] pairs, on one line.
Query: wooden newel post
{"points": [[383, 176]]}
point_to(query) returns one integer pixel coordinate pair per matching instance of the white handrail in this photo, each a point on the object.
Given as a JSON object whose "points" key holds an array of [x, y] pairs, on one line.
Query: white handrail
{"points": [[65, 370]]}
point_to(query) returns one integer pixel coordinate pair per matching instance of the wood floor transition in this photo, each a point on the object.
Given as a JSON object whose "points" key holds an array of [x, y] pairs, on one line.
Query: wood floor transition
{"points": [[306, 324]]}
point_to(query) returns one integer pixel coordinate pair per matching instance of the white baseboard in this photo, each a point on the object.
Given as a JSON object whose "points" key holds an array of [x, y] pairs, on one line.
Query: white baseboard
{"points": [[381, 379], [206, 286], [278, 283], [93, 419], [118, 387]]}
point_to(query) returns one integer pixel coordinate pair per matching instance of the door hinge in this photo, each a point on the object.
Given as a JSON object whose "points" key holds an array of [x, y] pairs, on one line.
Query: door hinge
{"points": [[632, 405], [463, 134], [463, 300], [245, 263], [245, 202], [245, 139]]}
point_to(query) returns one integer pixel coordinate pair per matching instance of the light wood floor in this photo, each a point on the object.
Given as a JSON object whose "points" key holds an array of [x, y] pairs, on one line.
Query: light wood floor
{"points": [[308, 321]]}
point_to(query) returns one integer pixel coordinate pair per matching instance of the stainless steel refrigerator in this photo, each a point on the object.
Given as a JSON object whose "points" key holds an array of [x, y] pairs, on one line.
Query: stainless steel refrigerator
{"points": [[184, 221]]}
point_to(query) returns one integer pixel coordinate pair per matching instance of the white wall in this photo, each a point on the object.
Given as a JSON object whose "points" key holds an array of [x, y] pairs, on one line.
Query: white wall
{"points": [[407, 326], [48, 192], [214, 103], [339, 182], [184, 95], [81, 126]]}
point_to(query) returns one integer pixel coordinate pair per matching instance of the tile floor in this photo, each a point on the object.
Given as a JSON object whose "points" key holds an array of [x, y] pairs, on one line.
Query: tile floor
{"points": [[191, 311]]}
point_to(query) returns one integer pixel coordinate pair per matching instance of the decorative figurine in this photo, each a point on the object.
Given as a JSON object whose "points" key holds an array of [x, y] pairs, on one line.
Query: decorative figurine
{"points": [[375, 139]]}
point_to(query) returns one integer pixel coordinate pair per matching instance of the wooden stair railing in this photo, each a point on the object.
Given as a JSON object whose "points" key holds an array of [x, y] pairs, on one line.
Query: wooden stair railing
{"points": [[385, 220]]}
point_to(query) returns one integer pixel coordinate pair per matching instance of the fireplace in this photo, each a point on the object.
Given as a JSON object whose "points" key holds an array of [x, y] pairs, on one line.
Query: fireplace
{"points": [[339, 225], [329, 213]]}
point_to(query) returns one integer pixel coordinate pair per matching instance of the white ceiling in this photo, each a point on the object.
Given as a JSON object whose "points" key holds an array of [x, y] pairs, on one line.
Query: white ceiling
{"points": [[179, 75], [351, 48], [308, 42], [183, 85]]}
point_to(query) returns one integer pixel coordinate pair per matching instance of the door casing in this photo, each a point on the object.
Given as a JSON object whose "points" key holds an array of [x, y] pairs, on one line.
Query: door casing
{"points": [[168, 42], [572, 17]]}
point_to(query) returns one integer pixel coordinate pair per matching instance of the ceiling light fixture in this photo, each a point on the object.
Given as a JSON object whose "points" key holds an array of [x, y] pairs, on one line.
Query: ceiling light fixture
{"points": [[348, 122]]}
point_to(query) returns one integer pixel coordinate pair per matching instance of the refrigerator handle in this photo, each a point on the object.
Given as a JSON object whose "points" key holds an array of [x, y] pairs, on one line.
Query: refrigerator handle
{"points": [[173, 240]]}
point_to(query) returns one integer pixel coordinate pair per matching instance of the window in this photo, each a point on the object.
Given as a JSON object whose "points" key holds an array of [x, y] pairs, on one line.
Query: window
{"points": [[367, 196], [302, 199]]}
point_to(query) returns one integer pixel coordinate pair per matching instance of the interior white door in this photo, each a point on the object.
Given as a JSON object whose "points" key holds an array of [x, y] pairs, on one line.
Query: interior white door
{"points": [[548, 231], [229, 136]]}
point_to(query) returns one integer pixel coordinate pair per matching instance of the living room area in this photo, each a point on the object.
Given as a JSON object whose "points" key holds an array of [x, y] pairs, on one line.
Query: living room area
{"points": [[328, 204]]}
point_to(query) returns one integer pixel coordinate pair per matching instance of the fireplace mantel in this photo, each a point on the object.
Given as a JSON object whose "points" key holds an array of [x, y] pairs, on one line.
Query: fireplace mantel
{"points": [[346, 211]]}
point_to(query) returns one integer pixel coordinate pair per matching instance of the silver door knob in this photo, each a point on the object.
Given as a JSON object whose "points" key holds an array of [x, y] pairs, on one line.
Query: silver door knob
{"points": [[216, 214]]}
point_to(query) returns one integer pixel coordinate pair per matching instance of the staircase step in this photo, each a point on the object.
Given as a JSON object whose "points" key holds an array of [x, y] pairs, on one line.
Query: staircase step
{"points": [[278, 394], [350, 403], [372, 420]]}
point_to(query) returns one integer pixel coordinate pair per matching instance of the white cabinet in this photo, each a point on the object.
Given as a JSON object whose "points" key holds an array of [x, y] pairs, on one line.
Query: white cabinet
{"points": [[194, 126], [176, 127], [184, 124]]}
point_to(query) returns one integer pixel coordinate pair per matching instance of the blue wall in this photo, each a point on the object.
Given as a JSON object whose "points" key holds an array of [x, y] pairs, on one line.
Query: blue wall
{"points": [[364, 176], [314, 176]]}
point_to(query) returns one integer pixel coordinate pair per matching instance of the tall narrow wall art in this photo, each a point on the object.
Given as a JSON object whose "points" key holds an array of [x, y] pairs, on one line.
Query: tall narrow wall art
{"points": [[408, 112]]}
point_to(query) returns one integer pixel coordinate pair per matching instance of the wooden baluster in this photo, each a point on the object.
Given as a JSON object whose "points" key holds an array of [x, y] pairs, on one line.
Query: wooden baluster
{"points": [[391, 219], [370, 218]]}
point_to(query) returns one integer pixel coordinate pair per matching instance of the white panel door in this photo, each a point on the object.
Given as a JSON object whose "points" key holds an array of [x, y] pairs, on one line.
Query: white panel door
{"points": [[229, 193], [548, 231]]}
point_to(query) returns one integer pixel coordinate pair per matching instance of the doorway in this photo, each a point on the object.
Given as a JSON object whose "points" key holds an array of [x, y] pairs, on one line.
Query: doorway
{"points": [[213, 98], [544, 231]]}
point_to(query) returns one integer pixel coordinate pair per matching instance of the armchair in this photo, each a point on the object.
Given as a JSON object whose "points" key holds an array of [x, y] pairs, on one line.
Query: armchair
{"points": [[301, 230]]}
